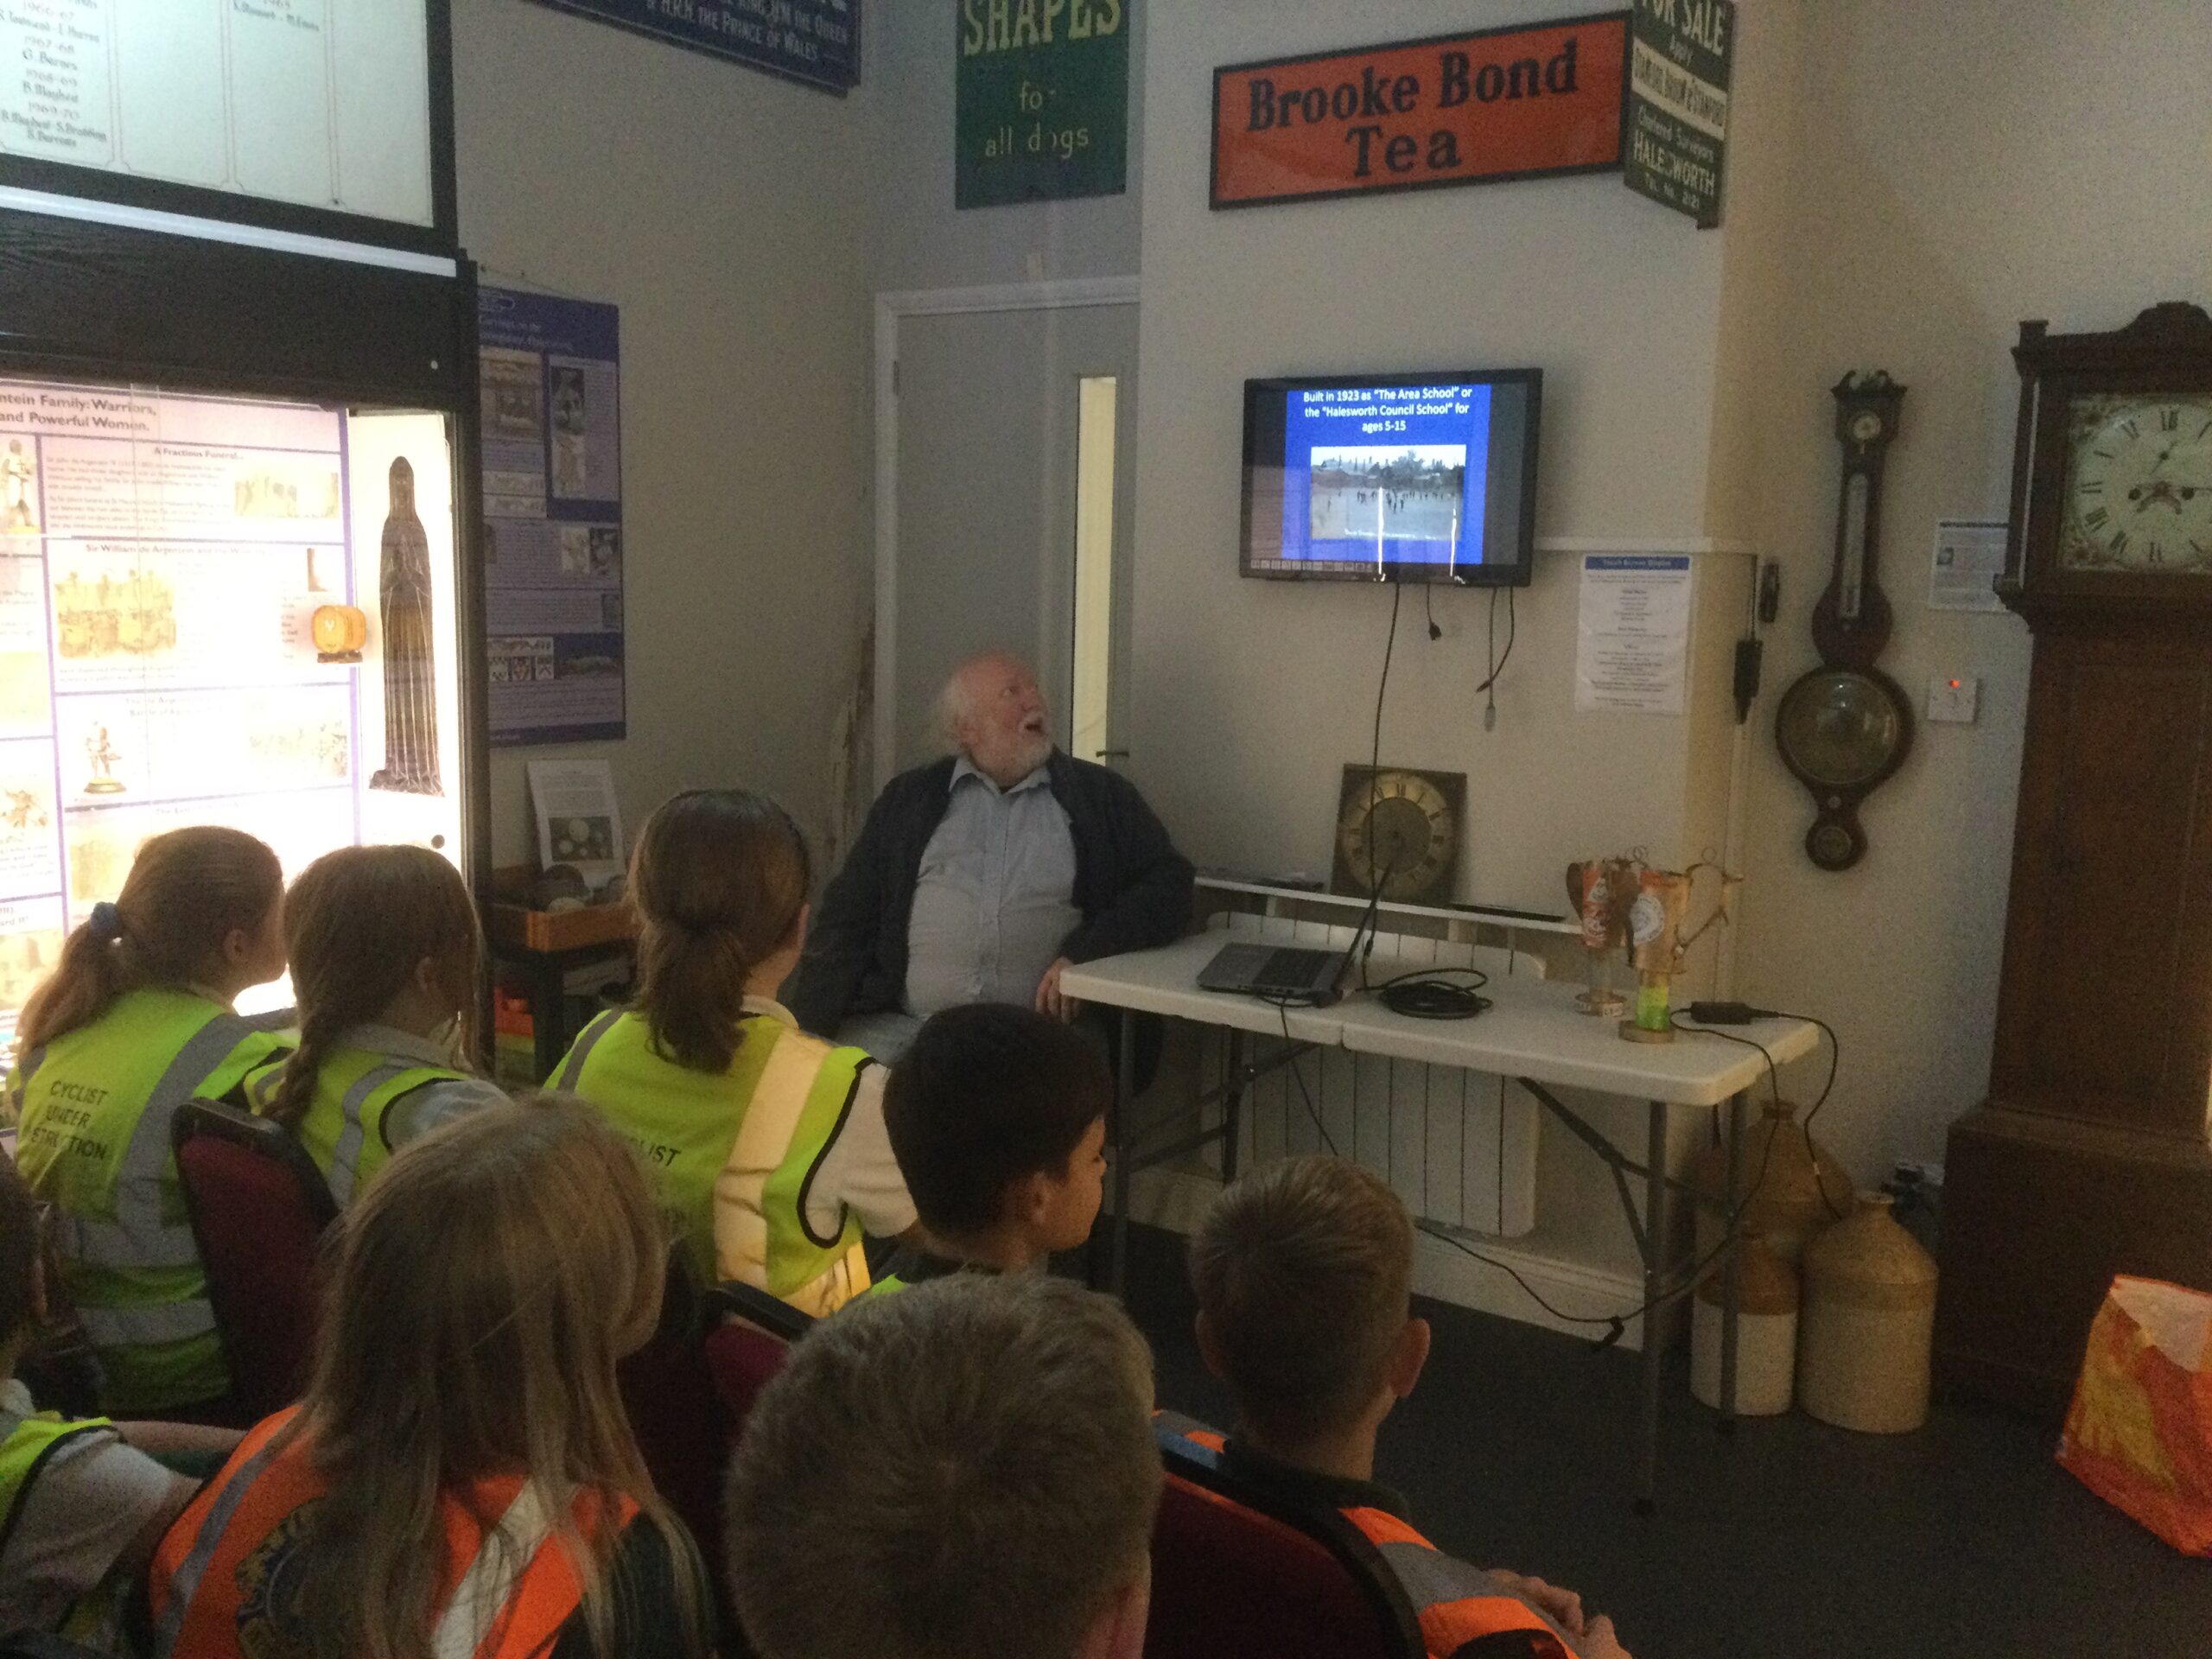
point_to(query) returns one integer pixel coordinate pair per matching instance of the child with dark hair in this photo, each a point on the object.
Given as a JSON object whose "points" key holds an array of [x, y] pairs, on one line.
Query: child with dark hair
{"points": [[82, 1504], [998, 1117]]}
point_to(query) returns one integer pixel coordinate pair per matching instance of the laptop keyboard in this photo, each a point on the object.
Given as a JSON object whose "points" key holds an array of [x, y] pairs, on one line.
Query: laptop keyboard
{"points": [[1289, 970]]}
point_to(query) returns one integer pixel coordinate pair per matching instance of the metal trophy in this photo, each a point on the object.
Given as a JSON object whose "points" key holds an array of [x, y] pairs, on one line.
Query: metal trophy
{"points": [[1658, 943], [1602, 890]]}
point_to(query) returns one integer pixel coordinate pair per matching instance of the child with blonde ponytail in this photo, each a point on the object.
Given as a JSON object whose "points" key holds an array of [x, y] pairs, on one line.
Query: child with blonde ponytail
{"points": [[135, 1020], [768, 1144], [385, 951], [459, 1477]]}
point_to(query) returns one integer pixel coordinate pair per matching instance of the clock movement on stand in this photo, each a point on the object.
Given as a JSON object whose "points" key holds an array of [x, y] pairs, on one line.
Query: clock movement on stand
{"points": [[2090, 1156]]}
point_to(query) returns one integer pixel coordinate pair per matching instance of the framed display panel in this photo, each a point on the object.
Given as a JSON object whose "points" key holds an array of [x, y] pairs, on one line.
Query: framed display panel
{"points": [[323, 118], [199, 398]]}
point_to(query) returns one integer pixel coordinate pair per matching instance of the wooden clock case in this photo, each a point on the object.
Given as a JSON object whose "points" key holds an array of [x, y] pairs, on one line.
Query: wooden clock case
{"points": [[2091, 1155]]}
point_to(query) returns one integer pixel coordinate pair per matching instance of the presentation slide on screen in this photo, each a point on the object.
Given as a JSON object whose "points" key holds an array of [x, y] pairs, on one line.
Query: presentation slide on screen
{"points": [[163, 559], [1376, 476], [317, 103]]}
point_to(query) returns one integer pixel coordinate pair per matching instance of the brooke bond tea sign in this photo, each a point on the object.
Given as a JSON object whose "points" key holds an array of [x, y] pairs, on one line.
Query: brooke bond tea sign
{"points": [[1458, 109]]}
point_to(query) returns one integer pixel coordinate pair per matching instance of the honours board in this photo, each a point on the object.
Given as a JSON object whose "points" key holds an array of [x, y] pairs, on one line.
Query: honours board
{"points": [[320, 104], [162, 560]]}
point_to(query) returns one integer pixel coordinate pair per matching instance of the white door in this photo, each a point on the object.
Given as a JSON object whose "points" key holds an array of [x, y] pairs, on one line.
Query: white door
{"points": [[1016, 454]]}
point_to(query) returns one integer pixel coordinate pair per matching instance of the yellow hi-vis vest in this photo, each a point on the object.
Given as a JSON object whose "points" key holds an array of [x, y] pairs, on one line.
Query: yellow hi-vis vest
{"points": [[735, 1153], [343, 1129], [97, 1103], [26, 1443]]}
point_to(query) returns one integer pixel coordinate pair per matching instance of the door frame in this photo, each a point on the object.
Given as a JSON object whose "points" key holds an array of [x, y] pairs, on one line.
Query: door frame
{"points": [[1068, 294]]}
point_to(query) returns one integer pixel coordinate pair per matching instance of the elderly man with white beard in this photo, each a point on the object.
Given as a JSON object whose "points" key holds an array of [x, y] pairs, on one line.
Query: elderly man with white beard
{"points": [[982, 876]]}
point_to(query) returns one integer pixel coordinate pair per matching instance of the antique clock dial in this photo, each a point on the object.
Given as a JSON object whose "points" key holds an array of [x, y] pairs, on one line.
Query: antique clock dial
{"points": [[2138, 483], [1398, 832]]}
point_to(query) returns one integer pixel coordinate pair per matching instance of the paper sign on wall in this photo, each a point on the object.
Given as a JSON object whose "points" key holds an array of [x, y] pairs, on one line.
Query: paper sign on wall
{"points": [[1969, 558], [1633, 633]]}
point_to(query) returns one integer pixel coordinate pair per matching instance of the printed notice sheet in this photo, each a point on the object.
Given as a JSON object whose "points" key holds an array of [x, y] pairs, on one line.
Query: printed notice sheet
{"points": [[552, 399], [1969, 558], [1633, 635]]}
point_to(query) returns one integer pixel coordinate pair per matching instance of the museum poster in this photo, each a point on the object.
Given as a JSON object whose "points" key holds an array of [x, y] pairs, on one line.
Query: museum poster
{"points": [[818, 42], [552, 415], [1678, 54], [167, 566], [1042, 109]]}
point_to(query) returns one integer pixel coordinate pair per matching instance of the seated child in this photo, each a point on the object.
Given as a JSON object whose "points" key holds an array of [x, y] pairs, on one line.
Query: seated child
{"points": [[134, 1020], [459, 1477], [766, 1145], [966, 1469], [1304, 1275], [82, 1504], [997, 1115], [385, 951]]}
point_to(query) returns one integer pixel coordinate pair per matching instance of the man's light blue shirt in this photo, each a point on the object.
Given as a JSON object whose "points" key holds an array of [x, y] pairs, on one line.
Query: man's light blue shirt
{"points": [[995, 898]]}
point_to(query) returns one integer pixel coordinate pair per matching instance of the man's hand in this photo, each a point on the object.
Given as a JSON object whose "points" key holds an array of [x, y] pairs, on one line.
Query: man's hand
{"points": [[1049, 999]]}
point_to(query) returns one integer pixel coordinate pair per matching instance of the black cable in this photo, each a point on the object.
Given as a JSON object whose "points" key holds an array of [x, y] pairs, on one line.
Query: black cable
{"points": [[1774, 1087], [1428, 993], [1498, 662], [1428, 609], [1615, 1324]]}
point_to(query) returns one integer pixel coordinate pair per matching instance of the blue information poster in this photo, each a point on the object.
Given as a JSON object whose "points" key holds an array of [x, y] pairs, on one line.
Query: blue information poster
{"points": [[818, 42], [552, 400]]}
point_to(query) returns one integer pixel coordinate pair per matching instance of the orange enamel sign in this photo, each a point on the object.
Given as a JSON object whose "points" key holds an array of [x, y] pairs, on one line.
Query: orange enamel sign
{"points": [[1458, 109]]}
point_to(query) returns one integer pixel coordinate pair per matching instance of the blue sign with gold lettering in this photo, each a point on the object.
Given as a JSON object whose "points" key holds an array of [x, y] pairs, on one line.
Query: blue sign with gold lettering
{"points": [[818, 42]]}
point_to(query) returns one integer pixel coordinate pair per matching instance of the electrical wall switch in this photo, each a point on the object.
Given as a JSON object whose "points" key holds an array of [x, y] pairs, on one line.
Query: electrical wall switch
{"points": [[1953, 697]]}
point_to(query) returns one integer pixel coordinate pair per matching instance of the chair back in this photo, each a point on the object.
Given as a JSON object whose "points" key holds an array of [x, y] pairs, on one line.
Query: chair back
{"points": [[258, 1206], [675, 1413], [1236, 1575], [747, 1347]]}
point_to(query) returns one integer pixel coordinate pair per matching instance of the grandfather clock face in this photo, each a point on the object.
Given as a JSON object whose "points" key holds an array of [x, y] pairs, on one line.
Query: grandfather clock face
{"points": [[2138, 493]]}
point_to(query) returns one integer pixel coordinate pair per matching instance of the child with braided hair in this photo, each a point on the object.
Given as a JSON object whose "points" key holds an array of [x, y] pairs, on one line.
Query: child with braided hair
{"points": [[385, 951]]}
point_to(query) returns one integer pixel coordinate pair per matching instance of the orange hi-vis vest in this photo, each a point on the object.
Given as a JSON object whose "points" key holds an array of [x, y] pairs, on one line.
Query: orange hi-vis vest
{"points": [[1457, 1605], [505, 1591]]}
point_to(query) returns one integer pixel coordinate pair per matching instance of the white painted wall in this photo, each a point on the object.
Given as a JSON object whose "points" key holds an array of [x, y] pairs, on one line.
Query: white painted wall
{"points": [[1252, 696], [724, 212], [1959, 168]]}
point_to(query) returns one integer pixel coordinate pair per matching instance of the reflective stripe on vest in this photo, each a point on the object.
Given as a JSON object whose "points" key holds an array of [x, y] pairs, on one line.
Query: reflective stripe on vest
{"points": [[27, 1445], [735, 1154], [96, 1144], [1455, 1602], [343, 1127], [506, 1590]]}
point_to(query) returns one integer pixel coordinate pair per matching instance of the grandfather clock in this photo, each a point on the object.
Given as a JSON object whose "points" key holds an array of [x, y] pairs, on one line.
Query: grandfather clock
{"points": [[2092, 1154]]}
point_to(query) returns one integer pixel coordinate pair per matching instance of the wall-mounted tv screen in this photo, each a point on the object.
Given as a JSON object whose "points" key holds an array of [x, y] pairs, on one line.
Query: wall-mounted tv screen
{"points": [[1423, 477]]}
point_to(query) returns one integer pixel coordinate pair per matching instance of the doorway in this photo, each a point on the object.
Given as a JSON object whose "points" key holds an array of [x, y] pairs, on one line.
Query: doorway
{"points": [[1005, 462]]}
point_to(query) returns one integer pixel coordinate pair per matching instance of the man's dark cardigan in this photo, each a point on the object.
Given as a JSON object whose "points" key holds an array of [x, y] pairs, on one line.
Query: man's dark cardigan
{"points": [[1131, 885]]}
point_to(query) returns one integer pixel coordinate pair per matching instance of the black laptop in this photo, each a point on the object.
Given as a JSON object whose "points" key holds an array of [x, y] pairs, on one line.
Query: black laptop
{"points": [[1277, 972]]}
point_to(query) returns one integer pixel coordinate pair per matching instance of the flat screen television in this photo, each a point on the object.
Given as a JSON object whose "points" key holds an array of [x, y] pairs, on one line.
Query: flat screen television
{"points": [[1422, 477]]}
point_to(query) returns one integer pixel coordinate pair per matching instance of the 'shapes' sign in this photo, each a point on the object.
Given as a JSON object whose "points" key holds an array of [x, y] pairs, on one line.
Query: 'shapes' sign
{"points": [[1460, 109]]}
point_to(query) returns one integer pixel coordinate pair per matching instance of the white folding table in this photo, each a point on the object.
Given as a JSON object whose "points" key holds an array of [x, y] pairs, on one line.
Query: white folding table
{"points": [[1532, 1033]]}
